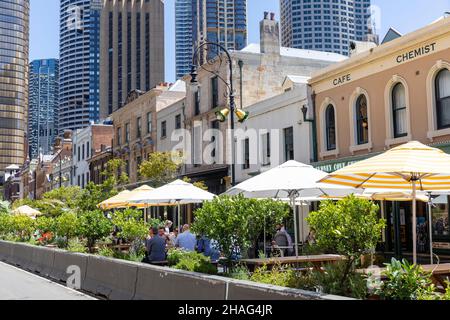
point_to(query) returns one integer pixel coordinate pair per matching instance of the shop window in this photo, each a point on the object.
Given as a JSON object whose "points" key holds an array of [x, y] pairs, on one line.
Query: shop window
{"points": [[440, 216], [362, 120], [246, 164], [399, 111], [443, 99], [330, 121]]}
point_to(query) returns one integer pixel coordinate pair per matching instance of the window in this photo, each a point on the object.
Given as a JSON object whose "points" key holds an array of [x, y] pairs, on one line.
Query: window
{"points": [[149, 122], [246, 164], [138, 127], [127, 133], [266, 149], [362, 120], [440, 219], [87, 150], [215, 125], [288, 143], [79, 153], [443, 99], [119, 138], [215, 92], [163, 129], [87, 177], [330, 122], [399, 111], [83, 154], [178, 121]]}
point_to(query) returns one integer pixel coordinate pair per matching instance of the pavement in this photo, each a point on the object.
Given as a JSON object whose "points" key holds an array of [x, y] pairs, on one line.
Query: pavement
{"points": [[16, 284]]}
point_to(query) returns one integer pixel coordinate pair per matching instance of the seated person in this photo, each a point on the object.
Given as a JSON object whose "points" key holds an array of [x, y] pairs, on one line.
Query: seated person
{"points": [[156, 246]]}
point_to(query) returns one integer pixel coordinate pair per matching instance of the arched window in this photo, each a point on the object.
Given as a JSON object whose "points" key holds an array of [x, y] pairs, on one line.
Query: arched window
{"points": [[443, 99], [362, 120], [399, 111], [330, 122]]}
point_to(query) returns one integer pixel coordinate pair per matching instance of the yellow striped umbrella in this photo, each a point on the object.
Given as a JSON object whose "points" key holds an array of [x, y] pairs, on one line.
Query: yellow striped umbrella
{"points": [[118, 201], [411, 167]]}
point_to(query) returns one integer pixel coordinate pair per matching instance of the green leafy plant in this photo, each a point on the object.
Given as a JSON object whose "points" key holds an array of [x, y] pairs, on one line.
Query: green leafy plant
{"points": [[330, 281], [349, 227], [76, 245], [45, 224], [5, 225], [105, 252], [131, 224], [405, 281], [93, 225], [161, 167], [239, 272], [67, 226], [236, 222], [22, 226], [283, 276], [190, 261]]}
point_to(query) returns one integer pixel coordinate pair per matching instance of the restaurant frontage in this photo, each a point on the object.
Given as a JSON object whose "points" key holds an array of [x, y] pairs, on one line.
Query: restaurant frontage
{"points": [[392, 94]]}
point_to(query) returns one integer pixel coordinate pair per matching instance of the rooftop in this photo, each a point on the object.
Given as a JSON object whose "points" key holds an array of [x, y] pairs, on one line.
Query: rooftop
{"points": [[299, 53]]}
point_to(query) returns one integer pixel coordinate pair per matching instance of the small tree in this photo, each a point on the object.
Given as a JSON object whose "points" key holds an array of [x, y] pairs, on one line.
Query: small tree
{"points": [[349, 227], [93, 225], [45, 224], [23, 227], [67, 226], [5, 224], [236, 221], [132, 227], [161, 167], [198, 184], [69, 196]]}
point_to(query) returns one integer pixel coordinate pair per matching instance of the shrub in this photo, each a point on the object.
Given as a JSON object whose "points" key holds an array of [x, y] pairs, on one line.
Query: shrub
{"points": [[190, 261], [22, 226], [67, 226], [106, 252], [282, 276], [131, 225], [93, 225], [405, 281], [239, 272], [45, 224], [330, 281], [5, 225], [75, 245]]}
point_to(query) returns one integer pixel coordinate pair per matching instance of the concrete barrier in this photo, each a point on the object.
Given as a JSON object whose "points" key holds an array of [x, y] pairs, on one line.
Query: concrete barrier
{"points": [[117, 279], [176, 284], [63, 260], [42, 260], [5, 250], [22, 255], [113, 279]]}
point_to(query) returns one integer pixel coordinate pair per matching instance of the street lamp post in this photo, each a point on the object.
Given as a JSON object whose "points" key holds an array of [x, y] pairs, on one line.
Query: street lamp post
{"points": [[222, 115]]}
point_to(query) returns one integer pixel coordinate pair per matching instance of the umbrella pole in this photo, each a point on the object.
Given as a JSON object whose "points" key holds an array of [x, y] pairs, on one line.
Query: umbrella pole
{"points": [[302, 225], [383, 234], [430, 221], [295, 225], [179, 215], [414, 222]]}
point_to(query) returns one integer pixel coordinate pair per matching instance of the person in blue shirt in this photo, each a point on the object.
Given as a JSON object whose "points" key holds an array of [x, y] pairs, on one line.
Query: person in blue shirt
{"points": [[186, 240], [208, 248]]}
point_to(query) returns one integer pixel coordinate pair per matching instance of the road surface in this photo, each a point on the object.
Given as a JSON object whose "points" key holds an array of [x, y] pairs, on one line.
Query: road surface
{"points": [[16, 284]]}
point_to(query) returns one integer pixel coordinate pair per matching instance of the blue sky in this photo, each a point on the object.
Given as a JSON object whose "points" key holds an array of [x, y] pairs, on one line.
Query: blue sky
{"points": [[404, 15]]}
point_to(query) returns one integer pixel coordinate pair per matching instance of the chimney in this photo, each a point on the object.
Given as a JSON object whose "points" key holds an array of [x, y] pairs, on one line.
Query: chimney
{"points": [[270, 34]]}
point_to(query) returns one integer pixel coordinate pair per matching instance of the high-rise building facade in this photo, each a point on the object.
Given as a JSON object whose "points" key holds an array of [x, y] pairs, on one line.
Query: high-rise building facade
{"points": [[325, 25], [132, 50], [79, 103], [219, 21], [14, 48], [43, 106]]}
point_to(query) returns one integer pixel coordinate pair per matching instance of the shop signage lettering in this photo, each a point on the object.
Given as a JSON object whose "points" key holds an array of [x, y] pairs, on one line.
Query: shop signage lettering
{"points": [[329, 168], [410, 55], [341, 80]]}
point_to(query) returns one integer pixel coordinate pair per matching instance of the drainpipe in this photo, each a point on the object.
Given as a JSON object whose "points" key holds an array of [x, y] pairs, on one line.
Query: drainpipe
{"points": [[313, 124]]}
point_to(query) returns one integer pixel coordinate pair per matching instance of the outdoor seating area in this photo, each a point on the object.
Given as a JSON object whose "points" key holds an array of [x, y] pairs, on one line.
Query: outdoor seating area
{"points": [[245, 233]]}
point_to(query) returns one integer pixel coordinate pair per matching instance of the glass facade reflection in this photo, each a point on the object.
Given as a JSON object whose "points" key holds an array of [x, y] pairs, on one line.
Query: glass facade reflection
{"points": [[14, 47]]}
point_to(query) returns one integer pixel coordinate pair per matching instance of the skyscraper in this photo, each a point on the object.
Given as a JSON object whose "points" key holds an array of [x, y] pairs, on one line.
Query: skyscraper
{"points": [[14, 47], [220, 21], [79, 63], [325, 25], [43, 106], [132, 50]]}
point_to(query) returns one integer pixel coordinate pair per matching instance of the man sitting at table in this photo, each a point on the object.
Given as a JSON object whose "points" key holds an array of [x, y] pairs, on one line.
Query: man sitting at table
{"points": [[186, 240], [283, 240], [156, 246]]}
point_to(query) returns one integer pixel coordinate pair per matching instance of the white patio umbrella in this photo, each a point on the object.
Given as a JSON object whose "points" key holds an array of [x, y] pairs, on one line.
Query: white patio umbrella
{"points": [[175, 193], [294, 181]]}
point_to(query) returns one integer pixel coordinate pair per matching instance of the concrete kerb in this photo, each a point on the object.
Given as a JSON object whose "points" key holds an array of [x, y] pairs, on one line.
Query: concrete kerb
{"points": [[21, 255], [5, 250], [111, 278], [177, 284]]}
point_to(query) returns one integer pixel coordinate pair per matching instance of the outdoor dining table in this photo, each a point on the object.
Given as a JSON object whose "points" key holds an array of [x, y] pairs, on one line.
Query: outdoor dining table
{"points": [[317, 261]]}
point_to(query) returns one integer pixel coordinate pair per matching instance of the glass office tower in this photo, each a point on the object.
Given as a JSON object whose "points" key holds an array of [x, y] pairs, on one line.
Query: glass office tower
{"points": [[220, 21], [325, 25], [79, 63], [14, 47], [43, 107]]}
